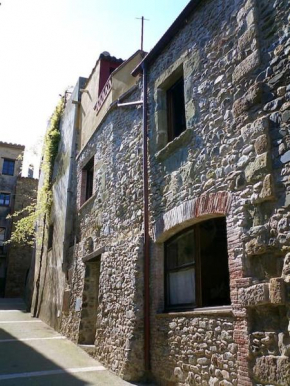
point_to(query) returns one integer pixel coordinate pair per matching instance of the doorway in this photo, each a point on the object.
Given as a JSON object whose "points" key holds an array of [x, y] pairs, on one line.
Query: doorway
{"points": [[87, 331]]}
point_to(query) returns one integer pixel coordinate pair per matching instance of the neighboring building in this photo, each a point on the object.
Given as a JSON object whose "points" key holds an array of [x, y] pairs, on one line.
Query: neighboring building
{"points": [[15, 193], [218, 115], [19, 256]]}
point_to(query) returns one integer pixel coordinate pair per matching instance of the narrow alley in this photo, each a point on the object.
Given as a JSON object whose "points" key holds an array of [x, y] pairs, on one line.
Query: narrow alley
{"points": [[33, 354]]}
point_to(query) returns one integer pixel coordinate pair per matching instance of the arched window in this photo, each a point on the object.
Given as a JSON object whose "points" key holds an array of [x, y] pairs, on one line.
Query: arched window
{"points": [[196, 267]]}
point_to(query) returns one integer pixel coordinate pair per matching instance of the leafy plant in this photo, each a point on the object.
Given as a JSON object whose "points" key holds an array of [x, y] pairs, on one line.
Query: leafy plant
{"points": [[24, 226]]}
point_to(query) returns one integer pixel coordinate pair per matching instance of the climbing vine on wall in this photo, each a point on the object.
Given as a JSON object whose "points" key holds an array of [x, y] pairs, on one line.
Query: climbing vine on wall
{"points": [[25, 219]]}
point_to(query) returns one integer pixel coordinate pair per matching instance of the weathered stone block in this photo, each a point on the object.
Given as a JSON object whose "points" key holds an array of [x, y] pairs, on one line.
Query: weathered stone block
{"points": [[286, 265], [246, 66], [285, 158], [213, 381], [256, 246], [272, 370], [250, 98], [261, 144], [246, 39], [243, 11], [267, 192], [277, 290], [253, 130], [256, 169], [255, 295]]}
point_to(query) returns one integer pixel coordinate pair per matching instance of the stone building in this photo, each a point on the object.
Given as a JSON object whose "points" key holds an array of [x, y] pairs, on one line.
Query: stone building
{"points": [[217, 100], [90, 260], [16, 192], [55, 239]]}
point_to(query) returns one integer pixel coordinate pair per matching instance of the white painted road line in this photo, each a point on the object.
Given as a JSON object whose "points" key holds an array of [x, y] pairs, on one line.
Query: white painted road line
{"points": [[28, 339], [14, 310], [52, 372], [19, 321]]}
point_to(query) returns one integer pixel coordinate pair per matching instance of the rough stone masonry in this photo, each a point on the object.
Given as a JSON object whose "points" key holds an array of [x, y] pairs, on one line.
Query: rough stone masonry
{"points": [[234, 57], [229, 164]]}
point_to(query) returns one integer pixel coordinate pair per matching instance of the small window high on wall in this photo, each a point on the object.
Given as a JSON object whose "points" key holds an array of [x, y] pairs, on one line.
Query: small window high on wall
{"points": [[8, 167], [196, 267], [176, 122], [87, 181]]}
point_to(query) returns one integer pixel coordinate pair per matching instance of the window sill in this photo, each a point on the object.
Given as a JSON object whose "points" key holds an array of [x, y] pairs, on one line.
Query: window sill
{"points": [[222, 310], [87, 202], [174, 145]]}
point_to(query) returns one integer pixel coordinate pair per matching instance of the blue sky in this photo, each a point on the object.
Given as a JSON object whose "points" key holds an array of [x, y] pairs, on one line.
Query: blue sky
{"points": [[45, 45]]}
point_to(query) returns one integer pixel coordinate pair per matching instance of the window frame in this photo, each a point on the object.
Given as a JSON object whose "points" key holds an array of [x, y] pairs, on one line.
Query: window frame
{"points": [[195, 264], [5, 199], [166, 81], [198, 274], [9, 161], [87, 181], [171, 93]]}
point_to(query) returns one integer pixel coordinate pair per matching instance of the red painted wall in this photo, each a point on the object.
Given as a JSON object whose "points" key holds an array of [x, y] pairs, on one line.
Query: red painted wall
{"points": [[106, 68]]}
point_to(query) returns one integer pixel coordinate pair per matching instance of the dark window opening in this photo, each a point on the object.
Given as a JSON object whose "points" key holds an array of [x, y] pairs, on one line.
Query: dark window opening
{"points": [[176, 110], [8, 167], [4, 199], [89, 179], [196, 267], [50, 237]]}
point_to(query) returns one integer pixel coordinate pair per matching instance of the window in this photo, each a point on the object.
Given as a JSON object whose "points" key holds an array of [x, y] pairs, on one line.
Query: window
{"points": [[2, 239], [4, 199], [8, 167], [87, 181], [50, 237], [176, 122], [196, 267]]}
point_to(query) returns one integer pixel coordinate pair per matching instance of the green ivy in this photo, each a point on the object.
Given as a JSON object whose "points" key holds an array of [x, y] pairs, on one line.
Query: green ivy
{"points": [[24, 226]]}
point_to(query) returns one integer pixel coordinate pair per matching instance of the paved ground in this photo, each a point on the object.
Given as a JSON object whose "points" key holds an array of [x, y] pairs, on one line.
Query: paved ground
{"points": [[31, 353]]}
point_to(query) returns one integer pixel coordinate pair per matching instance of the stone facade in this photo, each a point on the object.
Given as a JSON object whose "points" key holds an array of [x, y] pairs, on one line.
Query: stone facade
{"points": [[234, 57], [90, 280], [19, 257], [111, 222], [229, 164], [109, 231], [52, 260], [15, 193]]}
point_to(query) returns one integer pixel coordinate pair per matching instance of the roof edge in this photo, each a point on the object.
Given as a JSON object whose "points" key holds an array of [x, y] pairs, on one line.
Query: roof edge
{"points": [[12, 145], [168, 35]]}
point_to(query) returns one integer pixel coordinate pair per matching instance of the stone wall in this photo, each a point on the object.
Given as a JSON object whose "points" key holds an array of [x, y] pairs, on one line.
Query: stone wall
{"points": [[51, 262], [235, 62], [7, 185], [232, 161], [19, 258], [200, 349], [110, 229]]}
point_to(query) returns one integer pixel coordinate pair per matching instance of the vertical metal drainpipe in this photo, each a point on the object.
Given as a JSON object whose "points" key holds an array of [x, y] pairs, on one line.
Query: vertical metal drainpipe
{"points": [[146, 230]]}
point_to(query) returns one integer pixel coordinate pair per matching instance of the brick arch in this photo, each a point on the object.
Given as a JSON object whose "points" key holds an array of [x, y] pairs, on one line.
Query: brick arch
{"points": [[189, 212]]}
